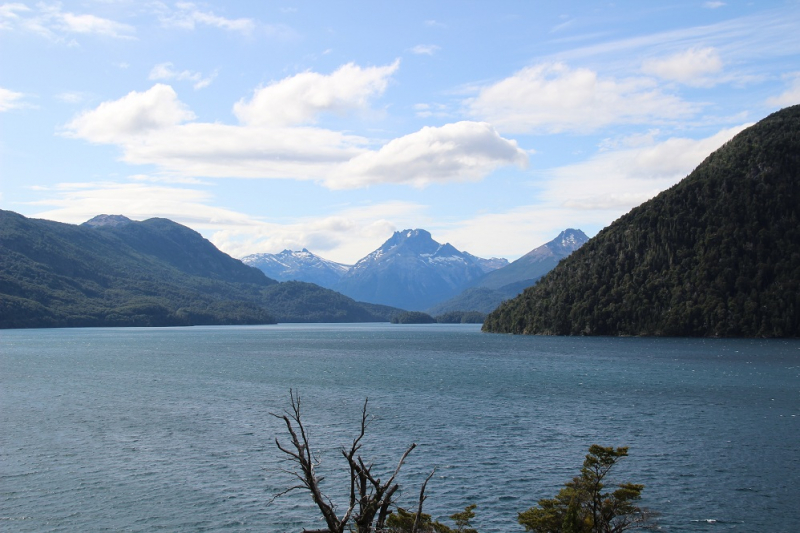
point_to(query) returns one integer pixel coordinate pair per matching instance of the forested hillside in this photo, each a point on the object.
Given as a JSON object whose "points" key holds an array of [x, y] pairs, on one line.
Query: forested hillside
{"points": [[117, 272], [718, 254]]}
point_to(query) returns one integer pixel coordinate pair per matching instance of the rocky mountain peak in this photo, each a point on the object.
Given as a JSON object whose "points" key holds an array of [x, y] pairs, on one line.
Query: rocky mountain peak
{"points": [[109, 221], [411, 240], [568, 240]]}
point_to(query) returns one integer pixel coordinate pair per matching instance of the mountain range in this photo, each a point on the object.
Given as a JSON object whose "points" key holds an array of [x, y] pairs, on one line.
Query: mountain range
{"points": [[413, 271], [716, 255], [490, 290], [112, 271], [410, 270], [291, 265]]}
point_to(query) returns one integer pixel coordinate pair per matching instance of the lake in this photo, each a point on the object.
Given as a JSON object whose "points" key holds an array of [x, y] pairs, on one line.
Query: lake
{"points": [[170, 429]]}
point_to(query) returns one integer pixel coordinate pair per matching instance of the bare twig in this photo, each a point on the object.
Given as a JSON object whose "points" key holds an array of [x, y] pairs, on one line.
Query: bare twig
{"points": [[369, 500], [422, 498]]}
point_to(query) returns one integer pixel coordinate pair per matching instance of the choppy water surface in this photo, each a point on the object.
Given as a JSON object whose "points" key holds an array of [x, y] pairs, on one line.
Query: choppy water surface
{"points": [[169, 429]]}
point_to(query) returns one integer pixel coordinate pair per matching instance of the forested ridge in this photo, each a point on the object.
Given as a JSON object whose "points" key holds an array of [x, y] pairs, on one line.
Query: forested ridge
{"points": [[150, 273], [718, 254]]}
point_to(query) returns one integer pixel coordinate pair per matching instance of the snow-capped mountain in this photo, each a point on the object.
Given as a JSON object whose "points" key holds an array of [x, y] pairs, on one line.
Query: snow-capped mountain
{"points": [[412, 271], [298, 266], [488, 265], [537, 262], [486, 293]]}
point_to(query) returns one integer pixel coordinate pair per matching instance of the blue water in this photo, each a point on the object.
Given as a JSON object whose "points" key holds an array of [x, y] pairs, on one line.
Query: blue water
{"points": [[170, 429]]}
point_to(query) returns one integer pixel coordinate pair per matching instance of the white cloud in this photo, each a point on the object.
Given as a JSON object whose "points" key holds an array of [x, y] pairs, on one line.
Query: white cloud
{"points": [[515, 232], [430, 110], [165, 71], [221, 151], [552, 97], [51, 22], [746, 40], [154, 127], [299, 99], [791, 96], [587, 195], [97, 25], [130, 117], [10, 100], [10, 15], [425, 49], [187, 16], [77, 202], [692, 67], [463, 151], [622, 179], [344, 236], [713, 5]]}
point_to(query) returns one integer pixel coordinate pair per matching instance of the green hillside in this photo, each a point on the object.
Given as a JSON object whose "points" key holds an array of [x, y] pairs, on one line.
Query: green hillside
{"points": [[718, 254], [150, 273]]}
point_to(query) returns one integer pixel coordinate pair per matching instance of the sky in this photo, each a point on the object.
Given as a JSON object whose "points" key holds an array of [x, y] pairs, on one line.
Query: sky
{"points": [[329, 125]]}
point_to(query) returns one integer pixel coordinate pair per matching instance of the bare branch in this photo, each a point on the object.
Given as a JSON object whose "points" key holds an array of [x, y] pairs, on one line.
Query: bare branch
{"points": [[422, 498], [369, 498]]}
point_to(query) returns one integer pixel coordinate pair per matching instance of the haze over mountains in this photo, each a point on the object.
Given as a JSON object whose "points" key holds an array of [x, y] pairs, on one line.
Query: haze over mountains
{"points": [[718, 254]]}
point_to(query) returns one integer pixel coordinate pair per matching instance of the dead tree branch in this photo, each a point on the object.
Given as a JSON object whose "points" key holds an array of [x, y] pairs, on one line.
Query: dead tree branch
{"points": [[370, 499]]}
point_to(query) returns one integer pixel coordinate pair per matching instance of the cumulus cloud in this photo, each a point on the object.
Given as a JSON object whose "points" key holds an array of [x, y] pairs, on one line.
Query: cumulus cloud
{"points": [[223, 151], [693, 67], [299, 99], [154, 127], [10, 100], [553, 97], [151, 127], [463, 151], [166, 71], [790, 96], [48, 20], [130, 117]]}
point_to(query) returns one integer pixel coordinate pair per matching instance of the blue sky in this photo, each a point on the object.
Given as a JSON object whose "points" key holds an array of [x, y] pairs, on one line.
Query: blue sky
{"points": [[329, 125]]}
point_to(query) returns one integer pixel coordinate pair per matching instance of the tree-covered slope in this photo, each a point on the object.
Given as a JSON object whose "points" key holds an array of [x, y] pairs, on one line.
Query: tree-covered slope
{"points": [[184, 249], [298, 301], [151, 273], [718, 254], [61, 275]]}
